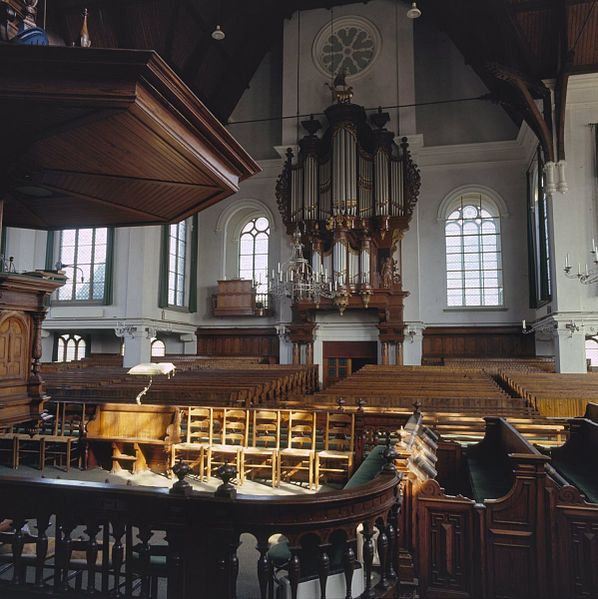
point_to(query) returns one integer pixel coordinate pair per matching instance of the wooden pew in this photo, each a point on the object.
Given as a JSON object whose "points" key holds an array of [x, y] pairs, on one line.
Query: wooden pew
{"points": [[147, 431], [496, 546], [577, 459]]}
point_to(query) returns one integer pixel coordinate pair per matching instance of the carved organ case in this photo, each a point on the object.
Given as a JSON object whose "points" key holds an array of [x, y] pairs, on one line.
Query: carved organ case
{"points": [[351, 193]]}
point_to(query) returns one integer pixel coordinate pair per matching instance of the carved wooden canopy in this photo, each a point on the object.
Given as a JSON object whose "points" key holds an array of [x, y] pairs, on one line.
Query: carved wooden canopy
{"points": [[107, 137]]}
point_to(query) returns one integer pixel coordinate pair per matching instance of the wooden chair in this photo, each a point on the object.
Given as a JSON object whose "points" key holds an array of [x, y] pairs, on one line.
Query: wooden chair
{"points": [[233, 439], [8, 447], [299, 454], [265, 444], [339, 446], [198, 437]]}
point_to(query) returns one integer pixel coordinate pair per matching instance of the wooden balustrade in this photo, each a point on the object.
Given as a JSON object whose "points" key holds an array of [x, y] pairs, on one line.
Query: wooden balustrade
{"points": [[95, 540]]}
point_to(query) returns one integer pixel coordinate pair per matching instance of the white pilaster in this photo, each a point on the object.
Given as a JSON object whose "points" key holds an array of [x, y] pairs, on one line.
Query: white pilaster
{"points": [[413, 344]]}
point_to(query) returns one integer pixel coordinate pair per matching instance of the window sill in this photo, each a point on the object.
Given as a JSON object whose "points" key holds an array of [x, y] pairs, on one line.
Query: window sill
{"points": [[476, 309], [81, 303], [182, 309]]}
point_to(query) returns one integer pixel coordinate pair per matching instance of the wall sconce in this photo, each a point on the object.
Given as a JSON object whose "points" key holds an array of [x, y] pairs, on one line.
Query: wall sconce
{"points": [[572, 327]]}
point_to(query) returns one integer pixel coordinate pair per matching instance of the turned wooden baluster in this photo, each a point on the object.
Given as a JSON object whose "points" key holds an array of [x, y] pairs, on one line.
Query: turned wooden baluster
{"points": [[383, 555], [118, 530], [294, 571], [393, 536], [368, 558], [91, 555], [174, 564], [232, 569], [41, 549], [64, 550], [349, 567], [323, 569], [392, 550], [18, 540], [144, 535], [264, 569]]}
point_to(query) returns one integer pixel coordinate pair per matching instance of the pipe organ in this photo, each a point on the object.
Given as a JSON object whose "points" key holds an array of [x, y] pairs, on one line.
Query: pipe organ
{"points": [[350, 192]]}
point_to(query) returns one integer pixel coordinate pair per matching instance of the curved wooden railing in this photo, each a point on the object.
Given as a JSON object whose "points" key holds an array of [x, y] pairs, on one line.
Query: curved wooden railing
{"points": [[97, 539]]}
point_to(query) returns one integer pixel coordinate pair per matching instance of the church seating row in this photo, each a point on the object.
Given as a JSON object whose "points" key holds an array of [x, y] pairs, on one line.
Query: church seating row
{"points": [[109, 541], [514, 528], [498, 365], [250, 385], [555, 395]]}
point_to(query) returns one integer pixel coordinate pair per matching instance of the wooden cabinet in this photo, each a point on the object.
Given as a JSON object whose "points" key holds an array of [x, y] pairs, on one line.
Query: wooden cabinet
{"points": [[237, 297]]}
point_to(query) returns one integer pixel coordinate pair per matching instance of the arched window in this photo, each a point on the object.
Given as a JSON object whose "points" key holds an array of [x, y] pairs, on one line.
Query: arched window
{"points": [[158, 348], [473, 252], [253, 255], [592, 351], [70, 348]]}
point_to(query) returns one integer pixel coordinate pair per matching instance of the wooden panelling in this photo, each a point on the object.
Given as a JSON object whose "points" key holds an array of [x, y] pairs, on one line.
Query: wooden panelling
{"points": [[259, 341], [476, 342], [350, 349]]}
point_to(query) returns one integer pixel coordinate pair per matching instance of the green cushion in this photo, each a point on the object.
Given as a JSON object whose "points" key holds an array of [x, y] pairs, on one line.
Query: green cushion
{"points": [[580, 475], [368, 469], [280, 553], [491, 477]]}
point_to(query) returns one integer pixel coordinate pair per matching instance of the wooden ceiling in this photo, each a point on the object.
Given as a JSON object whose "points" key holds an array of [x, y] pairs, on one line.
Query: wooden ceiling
{"points": [[529, 36]]}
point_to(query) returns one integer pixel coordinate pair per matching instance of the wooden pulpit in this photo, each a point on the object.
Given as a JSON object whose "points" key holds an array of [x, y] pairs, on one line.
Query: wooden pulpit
{"points": [[24, 300]]}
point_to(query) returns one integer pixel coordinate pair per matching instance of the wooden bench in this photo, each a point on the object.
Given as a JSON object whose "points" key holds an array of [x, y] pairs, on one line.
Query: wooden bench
{"points": [[140, 429], [577, 459]]}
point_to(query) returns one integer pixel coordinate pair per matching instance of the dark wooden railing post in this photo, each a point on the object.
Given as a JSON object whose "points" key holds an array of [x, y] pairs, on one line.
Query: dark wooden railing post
{"points": [[294, 571], [264, 568], [118, 530], [323, 568], [368, 558], [383, 555], [144, 535], [17, 550], [349, 567], [41, 549], [174, 564], [91, 555]]}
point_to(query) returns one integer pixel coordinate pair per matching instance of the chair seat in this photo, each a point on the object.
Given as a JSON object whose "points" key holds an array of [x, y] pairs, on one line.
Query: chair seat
{"points": [[226, 448], [259, 450], [297, 452], [332, 453], [190, 446]]}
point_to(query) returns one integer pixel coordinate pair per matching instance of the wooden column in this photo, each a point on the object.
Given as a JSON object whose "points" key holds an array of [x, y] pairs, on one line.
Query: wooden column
{"points": [[384, 353], [310, 354], [399, 353], [296, 353]]}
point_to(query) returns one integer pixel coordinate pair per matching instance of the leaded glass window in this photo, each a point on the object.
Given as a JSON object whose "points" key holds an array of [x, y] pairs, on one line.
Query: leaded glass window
{"points": [[70, 348], [83, 254], [473, 253], [177, 263], [253, 255]]}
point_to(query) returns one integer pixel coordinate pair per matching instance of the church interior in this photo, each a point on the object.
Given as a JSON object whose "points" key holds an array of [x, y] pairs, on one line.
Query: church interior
{"points": [[298, 299]]}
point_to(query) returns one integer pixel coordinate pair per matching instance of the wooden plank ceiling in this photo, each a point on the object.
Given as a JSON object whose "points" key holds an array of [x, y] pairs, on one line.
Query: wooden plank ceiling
{"points": [[528, 36], [107, 137]]}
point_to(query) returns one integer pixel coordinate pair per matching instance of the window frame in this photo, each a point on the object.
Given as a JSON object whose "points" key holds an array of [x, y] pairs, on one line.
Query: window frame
{"points": [[481, 201], [190, 276], [66, 337], [254, 232], [53, 252], [538, 235]]}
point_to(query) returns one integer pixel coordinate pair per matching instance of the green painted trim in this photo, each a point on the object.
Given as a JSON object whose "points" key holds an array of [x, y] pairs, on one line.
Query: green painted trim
{"points": [[163, 282], [50, 241], [3, 241], [109, 275], [193, 264], [531, 250]]}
